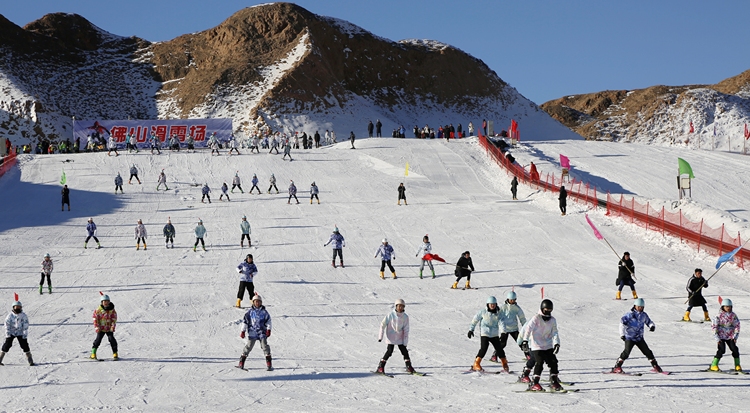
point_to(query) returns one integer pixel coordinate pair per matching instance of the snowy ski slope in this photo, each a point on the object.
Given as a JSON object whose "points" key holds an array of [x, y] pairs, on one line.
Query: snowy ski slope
{"points": [[179, 334]]}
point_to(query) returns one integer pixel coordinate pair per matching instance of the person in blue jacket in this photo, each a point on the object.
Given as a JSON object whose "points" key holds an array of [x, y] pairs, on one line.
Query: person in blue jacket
{"points": [[338, 243], [200, 232], [255, 184], [91, 230], [292, 192], [118, 183], [256, 326], [169, 233], [488, 320], [206, 191], [247, 270], [631, 332], [386, 254], [511, 316]]}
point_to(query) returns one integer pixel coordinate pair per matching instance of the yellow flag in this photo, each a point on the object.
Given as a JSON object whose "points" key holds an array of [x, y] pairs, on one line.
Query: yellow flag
{"points": [[406, 173]]}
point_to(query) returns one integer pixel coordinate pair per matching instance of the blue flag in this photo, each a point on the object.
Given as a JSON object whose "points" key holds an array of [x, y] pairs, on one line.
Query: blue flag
{"points": [[727, 257]]}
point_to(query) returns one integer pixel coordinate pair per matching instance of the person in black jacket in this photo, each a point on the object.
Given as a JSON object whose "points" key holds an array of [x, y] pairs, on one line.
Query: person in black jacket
{"points": [[695, 287], [378, 128], [514, 187], [402, 193], [464, 267], [626, 271], [563, 199], [65, 197], [370, 128]]}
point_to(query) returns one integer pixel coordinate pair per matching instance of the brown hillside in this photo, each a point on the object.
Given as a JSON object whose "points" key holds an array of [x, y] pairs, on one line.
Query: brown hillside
{"points": [[734, 84]]}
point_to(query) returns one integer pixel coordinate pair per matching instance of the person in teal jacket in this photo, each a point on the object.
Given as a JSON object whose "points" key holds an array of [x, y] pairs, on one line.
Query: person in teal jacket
{"points": [[511, 316], [489, 330], [200, 232], [245, 227]]}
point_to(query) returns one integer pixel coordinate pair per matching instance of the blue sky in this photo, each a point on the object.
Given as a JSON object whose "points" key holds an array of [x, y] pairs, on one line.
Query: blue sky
{"points": [[545, 49]]}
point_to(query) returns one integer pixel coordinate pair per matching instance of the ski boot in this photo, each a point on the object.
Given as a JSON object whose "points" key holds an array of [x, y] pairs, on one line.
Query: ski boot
{"points": [[49, 288], [137, 247], [382, 275], [477, 364], [686, 317], [204, 248], [40, 289], [409, 368], [239, 301], [714, 365], [555, 383], [706, 317], [85, 245], [269, 366], [635, 295], [618, 366], [467, 286], [93, 354], [455, 285], [98, 245], [655, 365], [29, 358], [194, 248], [737, 366], [241, 364], [494, 358], [381, 367], [2, 356], [394, 275], [333, 263], [535, 386], [144, 246], [524, 377], [341, 263], [433, 273], [504, 362], [115, 356], [619, 295], [420, 274]]}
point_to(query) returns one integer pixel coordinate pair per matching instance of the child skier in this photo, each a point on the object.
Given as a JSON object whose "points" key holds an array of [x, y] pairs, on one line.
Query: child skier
{"points": [[287, 151], [200, 232], [540, 337], [46, 273], [386, 254], [425, 248], [247, 270], [464, 267], [91, 230], [105, 321], [112, 146], [626, 271], [169, 233], [631, 332], [292, 192], [726, 328], [338, 243], [206, 191], [488, 319], [233, 145], [236, 183], [16, 327], [155, 145], [395, 328], [273, 184], [134, 174], [695, 286], [140, 235], [511, 316], [118, 183], [255, 185], [256, 326], [162, 180], [224, 191], [245, 227], [314, 192]]}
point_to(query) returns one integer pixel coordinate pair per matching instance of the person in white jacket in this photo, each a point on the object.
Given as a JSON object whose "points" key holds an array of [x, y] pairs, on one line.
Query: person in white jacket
{"points": [[140, 235], [425, 248], [395, 328], [539, 335], [16, 327]]}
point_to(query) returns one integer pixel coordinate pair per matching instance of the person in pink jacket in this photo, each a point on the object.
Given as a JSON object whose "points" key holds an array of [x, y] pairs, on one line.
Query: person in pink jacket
{"points": [[726, 328], [395, 328], [540, 336]]}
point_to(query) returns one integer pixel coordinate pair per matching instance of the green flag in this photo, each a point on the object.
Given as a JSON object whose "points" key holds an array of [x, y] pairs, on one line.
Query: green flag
{"points": [[684, 168], [63, 179]]}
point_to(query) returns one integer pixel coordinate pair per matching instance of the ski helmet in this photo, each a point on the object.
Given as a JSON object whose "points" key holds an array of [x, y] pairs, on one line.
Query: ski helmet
{"points": [[726, 302], [546, 304], [336, 230], [249, 256], [399, 302], [105, 297], [491, 300], [244, 217], [639, 302], [200, 221], [257, 297], [385, 241], [512, 295], [46, 255], [17, 304]]}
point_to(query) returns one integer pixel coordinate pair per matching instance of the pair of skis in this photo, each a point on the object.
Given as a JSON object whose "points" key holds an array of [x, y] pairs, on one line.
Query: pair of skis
{"points": [[416, 373], [625, 373]]}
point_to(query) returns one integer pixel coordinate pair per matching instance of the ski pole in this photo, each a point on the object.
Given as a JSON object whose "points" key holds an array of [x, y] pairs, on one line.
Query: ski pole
{"points": [[705, 282]]}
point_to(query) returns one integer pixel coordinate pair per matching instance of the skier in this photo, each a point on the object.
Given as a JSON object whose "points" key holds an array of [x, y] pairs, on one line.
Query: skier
{"points": [[314, 192], [255, 184], [205, 191], [386, 254], [190, 140], [488, 319], [464, 267], [274, 145], [224, 191], [287, 149], [273, 184], [105, 321], [626, 271], [133, 174], [162, 180], [233, 145], [200, 232], [395, 329], [118, 183], [539, 335], [169, 233], [511, 316], [213, 142], [631, 332], [254, 145], [155, 144], [46, 273], [245, 227], [402, 193], [726, 328], [256, 326], [426, 248], [140, 234], [236, 183], [16, 327], [112, 146], [65, 197], [514, 188], [695, 287], [351, 139], [132, 143], [174, 143], [338, 243], [247, 270], [292, 192], [563, 199], [471, 129], [91, 230]]}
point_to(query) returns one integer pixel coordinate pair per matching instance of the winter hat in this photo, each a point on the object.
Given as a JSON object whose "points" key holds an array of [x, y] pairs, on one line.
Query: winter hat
{"points": [[491, 300], [200, 221], [385, 240], [46, 255], [639, 302], [726, 303], [512, 295], [625, 253], [257, 297], [244, 217], [399, 302], [105, 297], [91, 219]]}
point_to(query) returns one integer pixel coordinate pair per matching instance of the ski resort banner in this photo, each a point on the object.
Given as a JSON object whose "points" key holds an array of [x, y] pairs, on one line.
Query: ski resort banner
{"points": [[199, 129]]}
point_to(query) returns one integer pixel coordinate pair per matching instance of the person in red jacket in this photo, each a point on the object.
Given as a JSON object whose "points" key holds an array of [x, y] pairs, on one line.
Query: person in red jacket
{"points": [[105, 320]]}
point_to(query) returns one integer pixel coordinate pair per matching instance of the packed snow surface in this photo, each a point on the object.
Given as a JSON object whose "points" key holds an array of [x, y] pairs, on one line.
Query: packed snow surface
{"points": [[179, 333]]}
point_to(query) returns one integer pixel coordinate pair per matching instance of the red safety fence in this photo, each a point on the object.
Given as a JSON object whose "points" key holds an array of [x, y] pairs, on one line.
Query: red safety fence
{"points": [[8, 162], [699, 234]]}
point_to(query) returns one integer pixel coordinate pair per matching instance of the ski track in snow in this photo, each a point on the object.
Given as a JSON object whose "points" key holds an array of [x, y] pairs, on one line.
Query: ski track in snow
{"points": [[178, 333]]}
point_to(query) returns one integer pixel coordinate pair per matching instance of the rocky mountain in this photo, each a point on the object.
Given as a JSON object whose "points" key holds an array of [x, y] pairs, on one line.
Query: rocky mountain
{"points": [[661, 114], [276, 64]]}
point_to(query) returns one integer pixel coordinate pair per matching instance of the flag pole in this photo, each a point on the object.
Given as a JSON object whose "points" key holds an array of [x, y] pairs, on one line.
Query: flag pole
{"points": [[715, 272]]}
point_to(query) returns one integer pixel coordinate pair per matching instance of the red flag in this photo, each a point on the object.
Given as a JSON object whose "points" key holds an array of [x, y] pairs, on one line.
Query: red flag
{"points": [[691, 127], [15, 296], [720, 300], [542, 293], [430, 257], [747, 132]]}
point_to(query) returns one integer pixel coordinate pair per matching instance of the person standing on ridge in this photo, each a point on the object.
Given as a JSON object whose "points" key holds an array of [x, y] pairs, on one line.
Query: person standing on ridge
{"points": [[351, 139], [370, 128], [378, 129]]}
